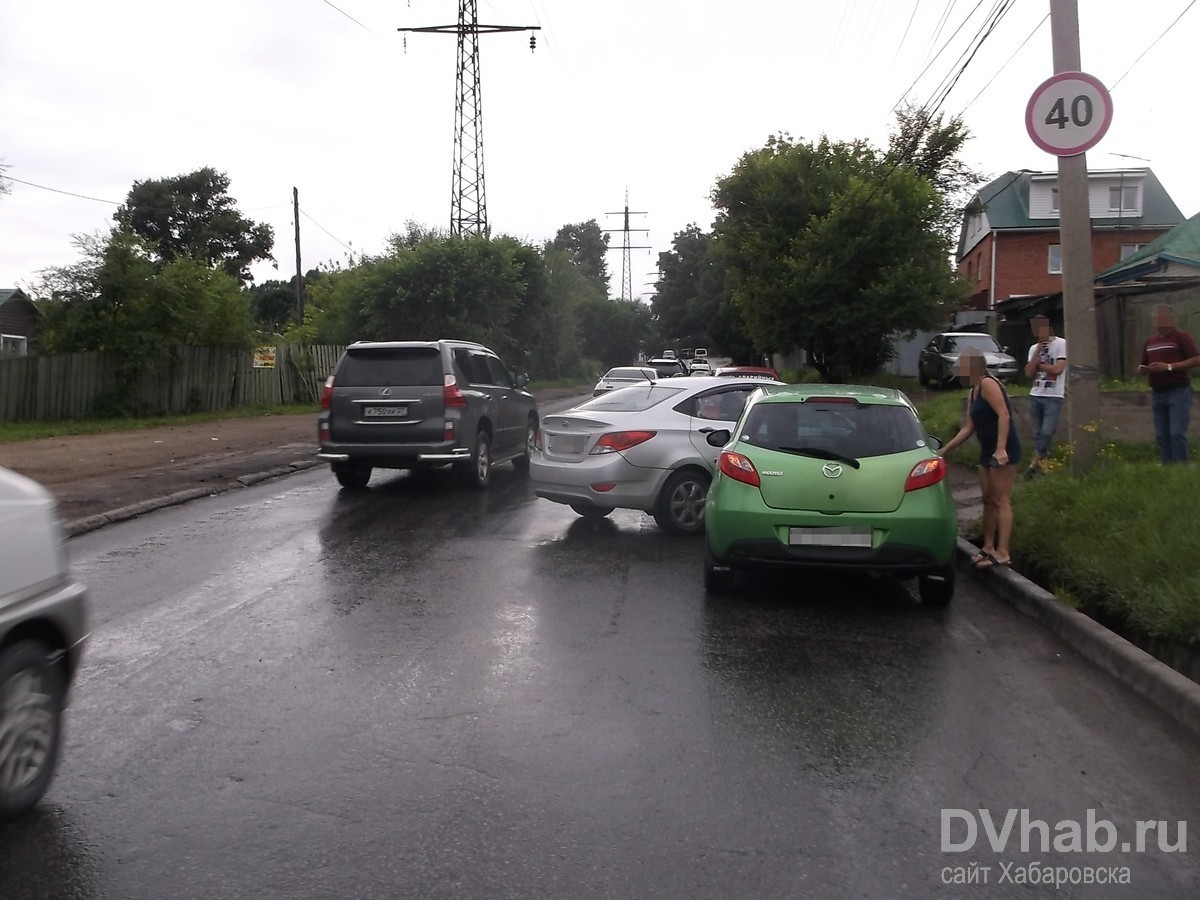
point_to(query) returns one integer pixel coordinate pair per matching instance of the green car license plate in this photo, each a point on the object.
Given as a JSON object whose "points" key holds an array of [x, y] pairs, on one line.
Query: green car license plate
{"points": [[836, 536], [385, 412]]}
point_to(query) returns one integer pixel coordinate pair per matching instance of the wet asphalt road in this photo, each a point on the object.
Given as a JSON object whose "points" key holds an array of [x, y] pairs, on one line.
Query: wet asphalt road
{"points": [[421, 691]]}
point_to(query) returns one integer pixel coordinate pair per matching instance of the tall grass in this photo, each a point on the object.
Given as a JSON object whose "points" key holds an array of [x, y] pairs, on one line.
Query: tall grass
{"points": [[1120, 538]]}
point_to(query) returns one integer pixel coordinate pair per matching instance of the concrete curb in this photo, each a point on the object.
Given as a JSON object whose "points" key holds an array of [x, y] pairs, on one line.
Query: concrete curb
{"points": [[124, 513], [1173, 693]]}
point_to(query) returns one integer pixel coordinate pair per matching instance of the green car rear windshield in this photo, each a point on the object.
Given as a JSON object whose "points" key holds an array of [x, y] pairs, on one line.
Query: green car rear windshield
{"points": [[846, 428]]}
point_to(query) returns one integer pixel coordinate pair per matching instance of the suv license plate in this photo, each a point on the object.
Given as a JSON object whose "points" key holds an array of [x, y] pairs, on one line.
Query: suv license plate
{"points": [[840, 536], [385, 412]]}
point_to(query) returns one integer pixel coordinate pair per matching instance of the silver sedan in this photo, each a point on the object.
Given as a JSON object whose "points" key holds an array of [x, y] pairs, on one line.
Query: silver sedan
{"points": [[640, 447], [623, 376]]}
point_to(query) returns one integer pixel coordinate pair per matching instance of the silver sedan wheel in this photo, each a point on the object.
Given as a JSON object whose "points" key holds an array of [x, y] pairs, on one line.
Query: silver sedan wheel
{"points": [[681, 504]]}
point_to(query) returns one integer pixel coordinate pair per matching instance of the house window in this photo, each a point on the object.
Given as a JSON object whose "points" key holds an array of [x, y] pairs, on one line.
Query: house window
{"points": [[13, 345], [1053, 199], [1123, 198], [1127, 250], [1055, 262], [979, 268]]}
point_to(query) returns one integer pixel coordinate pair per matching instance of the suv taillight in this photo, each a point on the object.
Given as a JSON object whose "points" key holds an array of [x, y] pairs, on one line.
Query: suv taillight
{"points": [[327, 393], [451, 395]]}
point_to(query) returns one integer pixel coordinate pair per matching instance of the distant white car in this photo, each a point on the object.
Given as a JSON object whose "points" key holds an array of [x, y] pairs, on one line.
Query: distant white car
{"points": [[43, 627], [701, 367], [623, 376]]}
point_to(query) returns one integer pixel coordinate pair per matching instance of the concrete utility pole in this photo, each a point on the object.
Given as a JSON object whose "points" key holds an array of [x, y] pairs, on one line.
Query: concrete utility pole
{"points": [[299, 277], [1075, 236]]}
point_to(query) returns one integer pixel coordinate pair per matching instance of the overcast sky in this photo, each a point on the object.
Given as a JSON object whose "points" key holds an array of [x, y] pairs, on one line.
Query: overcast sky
{"points": [[657, 97]]}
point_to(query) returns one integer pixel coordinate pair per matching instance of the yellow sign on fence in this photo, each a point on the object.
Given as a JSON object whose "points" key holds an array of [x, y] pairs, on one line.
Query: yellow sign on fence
{"points": [[264, 358]]}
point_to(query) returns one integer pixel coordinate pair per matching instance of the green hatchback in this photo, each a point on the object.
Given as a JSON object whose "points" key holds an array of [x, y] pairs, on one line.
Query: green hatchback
{"points": [[830, 476]]}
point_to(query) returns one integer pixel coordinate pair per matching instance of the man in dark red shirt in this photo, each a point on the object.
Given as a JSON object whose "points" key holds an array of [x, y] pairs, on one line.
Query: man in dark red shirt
{"points": [[1166, 357]]}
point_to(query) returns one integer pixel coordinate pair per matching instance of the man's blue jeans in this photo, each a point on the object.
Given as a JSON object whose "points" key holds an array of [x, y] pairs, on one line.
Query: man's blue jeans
{"points": [[1172, 410], [1044, 413]]}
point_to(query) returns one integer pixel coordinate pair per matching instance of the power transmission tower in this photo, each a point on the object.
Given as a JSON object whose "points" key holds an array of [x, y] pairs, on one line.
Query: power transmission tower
{"points": [[468, 199], [626, 264]]}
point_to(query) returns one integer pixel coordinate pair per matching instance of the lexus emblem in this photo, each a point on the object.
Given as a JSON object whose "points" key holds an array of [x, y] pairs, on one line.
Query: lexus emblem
{"points": [[566, 423], [831, 470], [386, 392]]}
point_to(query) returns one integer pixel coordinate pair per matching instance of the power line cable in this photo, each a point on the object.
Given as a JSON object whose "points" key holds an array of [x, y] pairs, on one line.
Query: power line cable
{"points": [[1036, 28], [1156, 40], [351, 18], [326, 230], [903, 37], [57, 191], [936, 55], [999, 12]]}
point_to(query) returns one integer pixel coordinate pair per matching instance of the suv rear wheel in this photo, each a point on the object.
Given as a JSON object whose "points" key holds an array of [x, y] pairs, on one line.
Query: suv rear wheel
{"points": [[522, 461], [352, 475], [479, 471]]}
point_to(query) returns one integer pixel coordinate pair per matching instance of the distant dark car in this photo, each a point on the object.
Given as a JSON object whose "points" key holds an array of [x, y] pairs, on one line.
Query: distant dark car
{"points": [[667, 368], [420, 404], [748, 372], [938, 362]]}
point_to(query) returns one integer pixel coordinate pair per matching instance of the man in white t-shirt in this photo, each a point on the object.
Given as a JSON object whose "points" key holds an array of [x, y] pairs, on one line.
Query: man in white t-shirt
{"points": [[1047, 367]]}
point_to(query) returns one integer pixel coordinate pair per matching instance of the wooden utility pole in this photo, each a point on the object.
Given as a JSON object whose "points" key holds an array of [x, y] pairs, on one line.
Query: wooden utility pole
{"points": [[1075, 237], [299, 277]]}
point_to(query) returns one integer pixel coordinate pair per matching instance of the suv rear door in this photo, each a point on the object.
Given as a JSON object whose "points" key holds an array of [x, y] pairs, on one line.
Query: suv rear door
{"points": [[389, 395], [507, 413]]}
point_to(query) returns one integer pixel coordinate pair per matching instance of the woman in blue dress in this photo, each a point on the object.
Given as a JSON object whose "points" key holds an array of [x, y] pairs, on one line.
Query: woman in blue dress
{"points": [[990, 419]]}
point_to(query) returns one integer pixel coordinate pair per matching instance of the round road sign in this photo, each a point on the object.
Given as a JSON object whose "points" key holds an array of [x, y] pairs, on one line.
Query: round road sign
{"points": [[1069, 113]]}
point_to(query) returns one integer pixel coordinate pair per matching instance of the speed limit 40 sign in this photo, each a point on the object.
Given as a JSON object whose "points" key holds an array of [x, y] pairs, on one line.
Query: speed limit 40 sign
{"points": [[1069, 113]]}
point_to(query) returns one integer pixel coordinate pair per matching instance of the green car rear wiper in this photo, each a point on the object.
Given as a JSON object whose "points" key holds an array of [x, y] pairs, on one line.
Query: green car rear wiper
{"points": [[820, 453]]}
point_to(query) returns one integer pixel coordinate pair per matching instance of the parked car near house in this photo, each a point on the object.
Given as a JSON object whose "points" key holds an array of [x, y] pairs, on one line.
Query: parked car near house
{"points": [[832, 477], [640, 447], [938, 362], [623, 376], [414, 404], [43, 629]]}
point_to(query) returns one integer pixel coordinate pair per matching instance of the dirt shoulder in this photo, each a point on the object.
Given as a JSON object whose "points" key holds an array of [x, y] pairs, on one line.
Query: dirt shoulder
{"points": [[97, 473]]}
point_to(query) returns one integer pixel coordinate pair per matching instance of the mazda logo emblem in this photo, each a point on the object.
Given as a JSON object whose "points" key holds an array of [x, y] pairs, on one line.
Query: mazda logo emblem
{"points": [[831, 470]]}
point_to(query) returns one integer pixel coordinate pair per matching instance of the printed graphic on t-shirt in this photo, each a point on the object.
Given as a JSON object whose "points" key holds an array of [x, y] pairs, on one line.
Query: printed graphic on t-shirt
{"points": [[1045, 379]]}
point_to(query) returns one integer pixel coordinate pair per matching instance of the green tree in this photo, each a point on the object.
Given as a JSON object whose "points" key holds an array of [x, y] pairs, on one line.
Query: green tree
{"points": [[587, 247], [193, 215], [615, 331], [930, 147], [833, 249]]}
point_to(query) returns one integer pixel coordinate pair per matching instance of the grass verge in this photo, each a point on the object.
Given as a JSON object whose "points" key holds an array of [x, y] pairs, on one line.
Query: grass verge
{"points": [[27, 431]]}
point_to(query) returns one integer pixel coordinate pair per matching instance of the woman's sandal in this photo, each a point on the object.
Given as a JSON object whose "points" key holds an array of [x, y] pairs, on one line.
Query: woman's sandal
{"points": [[986, 560]]}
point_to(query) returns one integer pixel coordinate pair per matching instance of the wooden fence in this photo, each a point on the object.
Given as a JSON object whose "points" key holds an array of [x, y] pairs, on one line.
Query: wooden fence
{"points": [[181, 380]]}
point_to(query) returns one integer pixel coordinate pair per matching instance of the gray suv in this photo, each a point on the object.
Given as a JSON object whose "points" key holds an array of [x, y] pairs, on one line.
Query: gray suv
{"points": [[414, 404]]}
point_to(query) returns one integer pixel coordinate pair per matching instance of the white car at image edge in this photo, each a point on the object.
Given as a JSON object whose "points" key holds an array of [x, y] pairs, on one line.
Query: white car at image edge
{"points": [[43, 628]]}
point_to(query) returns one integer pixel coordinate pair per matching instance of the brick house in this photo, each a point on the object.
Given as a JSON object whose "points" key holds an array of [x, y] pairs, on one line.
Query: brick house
{"points": [[19, 320], [1009, 244]]}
